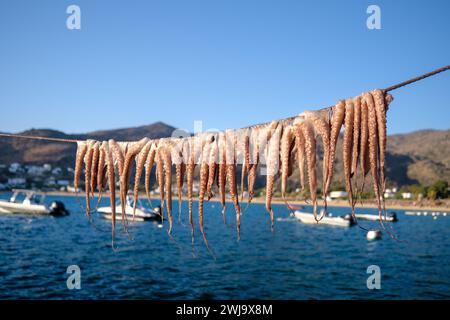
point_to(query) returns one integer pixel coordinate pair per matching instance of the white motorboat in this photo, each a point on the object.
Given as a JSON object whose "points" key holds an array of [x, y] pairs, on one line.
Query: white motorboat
{"points": [[390, 217], [31, 202], [142, 213], [340, 221]]}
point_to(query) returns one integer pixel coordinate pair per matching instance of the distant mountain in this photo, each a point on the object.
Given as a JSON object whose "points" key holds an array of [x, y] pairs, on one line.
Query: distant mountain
{"points": [[63, 154], [419, 157]]}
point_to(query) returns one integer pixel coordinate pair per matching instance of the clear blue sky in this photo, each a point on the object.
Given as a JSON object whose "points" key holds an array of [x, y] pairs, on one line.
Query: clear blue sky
{"points": [[229, 63]]}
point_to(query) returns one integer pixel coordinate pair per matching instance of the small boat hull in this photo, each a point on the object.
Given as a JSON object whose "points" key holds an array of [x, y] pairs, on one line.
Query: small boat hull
{"points": [[140, 215], [373, 217], [14, 208], [308, 218]]}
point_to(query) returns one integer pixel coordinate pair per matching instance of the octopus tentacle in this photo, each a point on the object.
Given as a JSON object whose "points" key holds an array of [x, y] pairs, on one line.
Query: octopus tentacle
{"points": [[380, 110], [177, 159], [356, 135], [246, 161], [364, 142], [336, 124], [322, 127], [82, 148], [253, 163], [101, 172], [273, 158], [141, 159], [373, 151], [179, 179], [160, 177], [204, 168], [190, 182], [112, 186], [212, 163], [347, 149], [167, 161], [222, 173], [94, 167], [231, 176], [190, 169], [300, 144], [87, 176], [310, 149], [131, 151], [287, 143], [148, 169]]}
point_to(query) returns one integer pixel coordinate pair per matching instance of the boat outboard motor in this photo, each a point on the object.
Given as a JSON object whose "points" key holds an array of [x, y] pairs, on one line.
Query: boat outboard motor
{"points": [[393, 215], [57, 208], [157, 211], [349, 217]]}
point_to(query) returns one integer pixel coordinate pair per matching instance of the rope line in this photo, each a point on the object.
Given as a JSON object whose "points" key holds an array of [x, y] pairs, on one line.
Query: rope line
{"points": [[13, 135], [391, 88]]}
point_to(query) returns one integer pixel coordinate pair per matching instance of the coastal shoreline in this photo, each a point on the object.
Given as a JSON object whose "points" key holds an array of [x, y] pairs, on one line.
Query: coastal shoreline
{"points": [[391, 204]]}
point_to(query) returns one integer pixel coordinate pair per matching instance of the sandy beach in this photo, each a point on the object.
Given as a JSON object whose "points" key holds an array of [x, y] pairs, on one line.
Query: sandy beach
{"points": [[391, 204]]}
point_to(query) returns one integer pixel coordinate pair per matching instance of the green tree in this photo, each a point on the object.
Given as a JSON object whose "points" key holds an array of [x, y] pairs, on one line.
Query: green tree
{"points": [[431, 194], [441, 189]]}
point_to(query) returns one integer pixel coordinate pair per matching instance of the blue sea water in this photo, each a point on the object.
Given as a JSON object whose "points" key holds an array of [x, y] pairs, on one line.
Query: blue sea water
{"points": [[296, 261]]}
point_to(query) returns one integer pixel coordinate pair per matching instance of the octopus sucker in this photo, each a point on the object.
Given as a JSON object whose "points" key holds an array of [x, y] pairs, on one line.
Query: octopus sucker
{"points": [[373, 149], [380, 109], [190, 182], [300, 146], [204, 168], [119, 158], [94, 166], [160, 177], [336, 124], [231, 176], [190, 170], [253, 163], [87, 175], [221, 179], [273, 159], [179, 173], [124, 174], [251, 178], [321, 125], [382, 101], [246, 161], [141, 159], [177, 160], [347, 149], [130, 156], [101, 172], [112, 186], [307, 129], [364, 141], [356, 135], [287, 142], [148, 169], [212, 163], [167, 161], [82, 148]]}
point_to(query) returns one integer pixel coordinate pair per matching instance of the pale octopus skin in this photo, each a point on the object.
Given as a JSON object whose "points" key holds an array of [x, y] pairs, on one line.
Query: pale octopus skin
{"points": [[231, 176], [275, 146]]}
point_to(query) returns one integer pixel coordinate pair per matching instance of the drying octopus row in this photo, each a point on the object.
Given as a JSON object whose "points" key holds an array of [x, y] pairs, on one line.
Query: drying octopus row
{"points": [[273, 149]]}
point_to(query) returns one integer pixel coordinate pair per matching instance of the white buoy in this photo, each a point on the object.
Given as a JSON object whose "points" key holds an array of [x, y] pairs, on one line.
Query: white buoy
{"points": [[373, 235]]}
